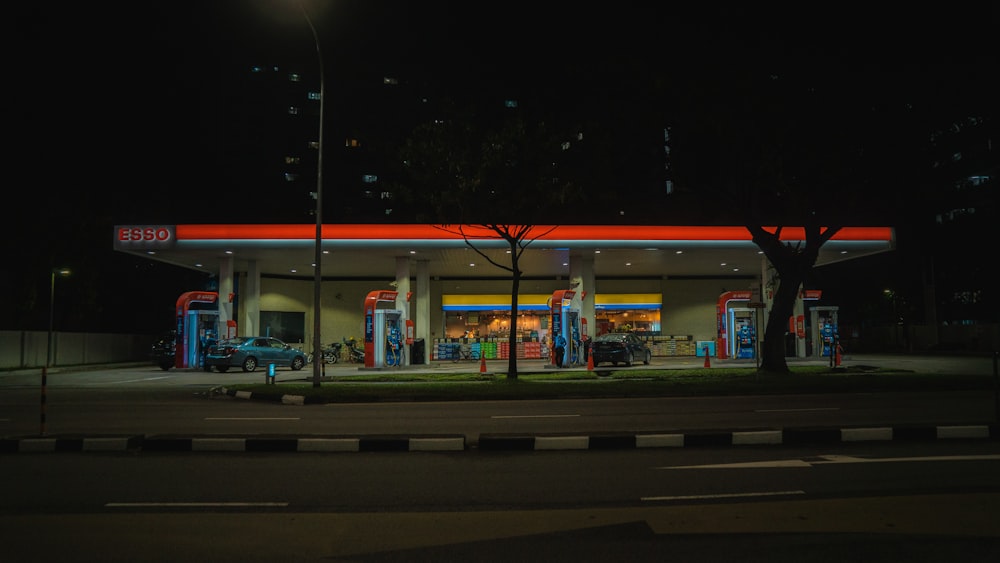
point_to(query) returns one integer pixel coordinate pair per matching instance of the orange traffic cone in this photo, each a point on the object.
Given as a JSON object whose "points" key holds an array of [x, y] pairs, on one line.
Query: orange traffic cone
{"points": [[482, 363], [590, 362], [708, 364]]}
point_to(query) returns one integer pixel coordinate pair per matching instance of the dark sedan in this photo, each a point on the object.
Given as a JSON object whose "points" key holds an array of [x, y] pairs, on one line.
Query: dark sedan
{"points": [[248, 352], [163, 351], [620, 348]]}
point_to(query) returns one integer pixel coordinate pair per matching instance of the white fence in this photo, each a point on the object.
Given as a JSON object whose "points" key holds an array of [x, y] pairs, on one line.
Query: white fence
{"points": [[22, 349]]}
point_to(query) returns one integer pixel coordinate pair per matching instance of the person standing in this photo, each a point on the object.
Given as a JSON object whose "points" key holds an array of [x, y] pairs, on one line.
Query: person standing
{"points": [[560, 349]]}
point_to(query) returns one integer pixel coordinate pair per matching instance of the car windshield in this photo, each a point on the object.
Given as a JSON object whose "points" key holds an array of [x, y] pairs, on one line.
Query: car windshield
{"points": [[611, 337], [234, 341]]}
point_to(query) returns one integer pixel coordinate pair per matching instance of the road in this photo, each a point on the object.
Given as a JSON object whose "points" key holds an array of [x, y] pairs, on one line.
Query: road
{"points": [[921, 502], [146, 400], [869, 500]]}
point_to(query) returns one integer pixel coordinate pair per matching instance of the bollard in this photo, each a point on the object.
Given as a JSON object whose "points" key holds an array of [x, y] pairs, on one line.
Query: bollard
{"points": [[708, 364], [270, 374]]}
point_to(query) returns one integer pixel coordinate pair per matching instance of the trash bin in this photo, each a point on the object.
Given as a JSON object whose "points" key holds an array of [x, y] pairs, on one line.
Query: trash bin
{"points": [[704, 346], [417, 351]]}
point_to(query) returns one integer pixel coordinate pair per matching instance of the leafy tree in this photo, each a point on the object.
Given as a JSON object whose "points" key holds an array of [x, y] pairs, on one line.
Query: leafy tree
{"points": [[487, 177]]}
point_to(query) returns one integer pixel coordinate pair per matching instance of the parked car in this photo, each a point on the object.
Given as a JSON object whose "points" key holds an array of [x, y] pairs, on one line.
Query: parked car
{"points": [[164, 350], [620, 348], [248, 352]]}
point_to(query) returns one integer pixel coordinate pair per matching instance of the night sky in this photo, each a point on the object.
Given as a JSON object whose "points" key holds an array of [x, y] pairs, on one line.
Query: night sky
{"points": [[116, 106]]}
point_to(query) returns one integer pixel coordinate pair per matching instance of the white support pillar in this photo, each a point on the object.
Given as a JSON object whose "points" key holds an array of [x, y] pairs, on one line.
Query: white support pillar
{"points": [[403, 289], [422, 311], [225, 290], [581, 280], [249, 325]]}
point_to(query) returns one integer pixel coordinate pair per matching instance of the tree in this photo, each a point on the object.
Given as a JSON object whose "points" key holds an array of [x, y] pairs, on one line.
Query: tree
{"points": [[486, 177], [792, 264], [800, 150]]}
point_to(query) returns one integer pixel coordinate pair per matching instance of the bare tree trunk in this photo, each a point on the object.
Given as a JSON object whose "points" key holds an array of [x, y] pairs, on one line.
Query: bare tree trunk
{"points": [[773, 346], [512, 359]]}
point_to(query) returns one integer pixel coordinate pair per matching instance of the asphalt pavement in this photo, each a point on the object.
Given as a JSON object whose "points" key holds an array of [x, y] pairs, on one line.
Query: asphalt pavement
{"points": [[975, 365]]}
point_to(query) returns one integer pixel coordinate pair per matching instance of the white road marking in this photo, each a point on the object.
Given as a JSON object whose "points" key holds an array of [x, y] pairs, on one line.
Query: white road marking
{"points": [[189, 504], [730, 495], [537, 416], [832, 459], [131, 380], [849, 459], [799, 410], [251, 418]]}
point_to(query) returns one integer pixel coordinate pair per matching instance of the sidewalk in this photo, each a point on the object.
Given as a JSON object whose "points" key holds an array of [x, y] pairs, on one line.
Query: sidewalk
{"points": [[920, 363]]}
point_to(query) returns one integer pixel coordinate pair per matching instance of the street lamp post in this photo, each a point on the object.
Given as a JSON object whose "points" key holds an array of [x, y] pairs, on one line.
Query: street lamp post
{"points": [[318, 271], [48, 346]]}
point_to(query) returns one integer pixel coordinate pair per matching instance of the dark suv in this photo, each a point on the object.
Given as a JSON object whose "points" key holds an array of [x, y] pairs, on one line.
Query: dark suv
{"points": [[164, 350], [620, 348]]}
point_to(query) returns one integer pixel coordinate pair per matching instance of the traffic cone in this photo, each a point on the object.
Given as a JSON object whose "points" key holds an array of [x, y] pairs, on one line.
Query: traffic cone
{"points": [[482, 363], [590, 362], [708, 364], [836, 357]]}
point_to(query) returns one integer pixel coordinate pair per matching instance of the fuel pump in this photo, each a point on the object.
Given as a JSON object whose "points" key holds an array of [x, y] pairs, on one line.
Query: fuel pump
{"points": [[574, 346], [388, 337], [393, 343], [377, 323], [744, 332], [825, 332], [197, 317], [566, 321]]}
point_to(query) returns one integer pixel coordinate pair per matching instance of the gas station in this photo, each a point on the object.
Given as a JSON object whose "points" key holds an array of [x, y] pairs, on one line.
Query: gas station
{"points": [[403, 285]]}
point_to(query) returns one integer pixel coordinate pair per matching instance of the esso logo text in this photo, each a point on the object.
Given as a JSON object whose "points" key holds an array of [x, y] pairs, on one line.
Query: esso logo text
{"points": [[143, 236], [159, 234]]}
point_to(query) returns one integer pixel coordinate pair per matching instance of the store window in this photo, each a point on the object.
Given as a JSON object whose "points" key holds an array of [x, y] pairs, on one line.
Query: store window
{"points": [[641, 321], [628, 312]]}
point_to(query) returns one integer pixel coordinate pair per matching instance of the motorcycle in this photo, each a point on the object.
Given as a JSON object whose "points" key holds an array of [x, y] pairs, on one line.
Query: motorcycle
{"points": [[356, 354], [331, 354]]}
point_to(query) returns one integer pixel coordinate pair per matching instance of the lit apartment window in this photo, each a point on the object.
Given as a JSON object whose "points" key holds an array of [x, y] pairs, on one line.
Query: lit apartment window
{"points": [[294, 77], [353, 143], [292, 160], [292, 110], [314, 144], [978, 180], [290, 177], [510, 103], [389, 80], [313, 96], [369, 178]]}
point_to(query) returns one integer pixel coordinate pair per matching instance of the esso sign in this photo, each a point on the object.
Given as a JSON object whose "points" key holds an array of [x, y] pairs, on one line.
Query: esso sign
{"points": [[148, 236]]}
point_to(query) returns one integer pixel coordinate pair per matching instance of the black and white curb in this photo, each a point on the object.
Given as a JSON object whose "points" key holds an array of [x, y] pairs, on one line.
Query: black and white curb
{"points": [[497, 442], [46, 444], [272, 397], [765, 437]]}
